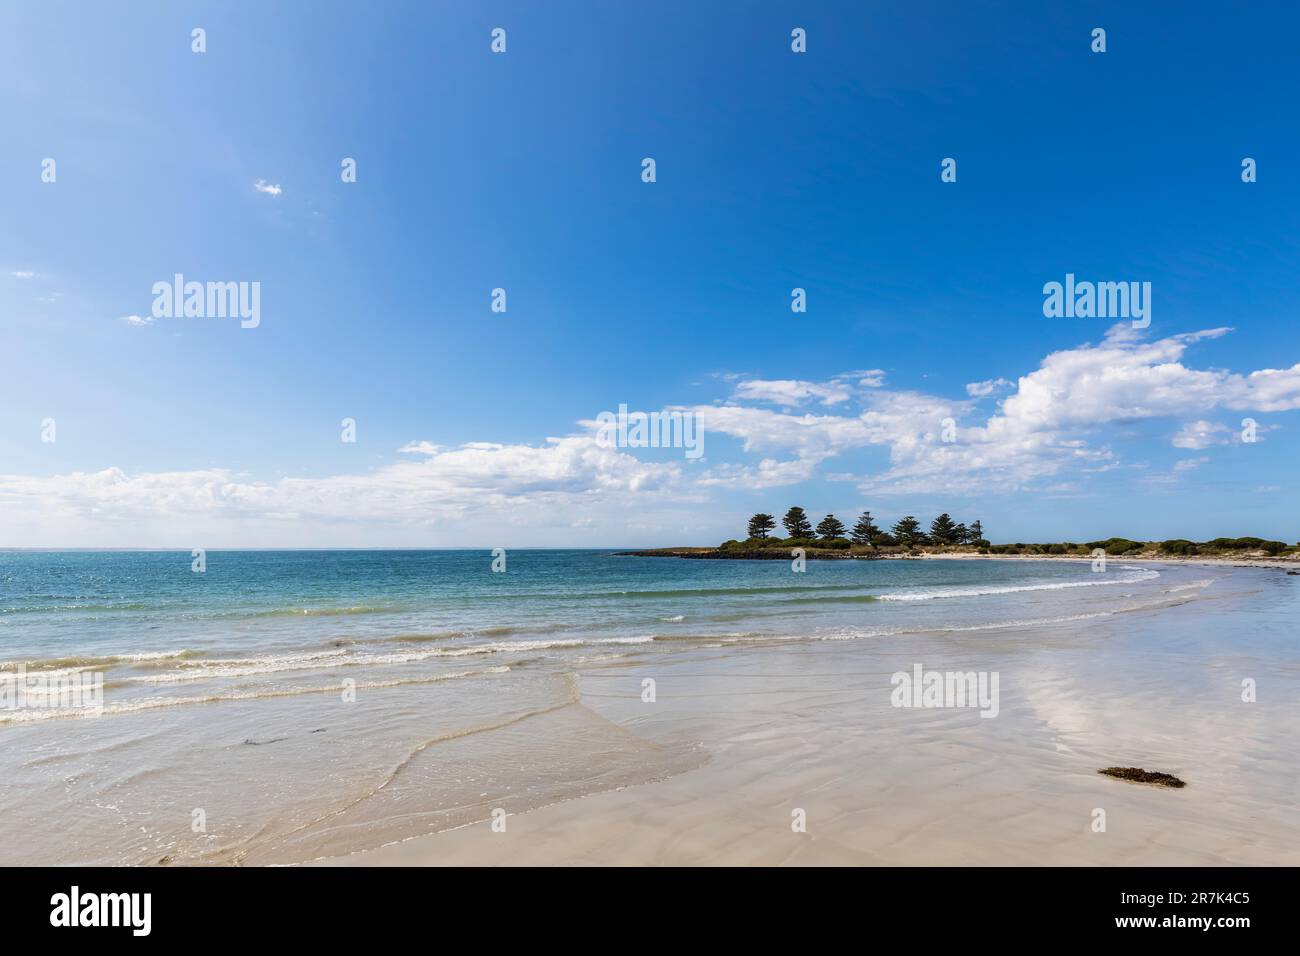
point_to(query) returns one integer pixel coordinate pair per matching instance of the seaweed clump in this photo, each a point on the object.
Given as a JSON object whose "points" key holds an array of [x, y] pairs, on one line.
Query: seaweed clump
{"points": [[1138, 775]]}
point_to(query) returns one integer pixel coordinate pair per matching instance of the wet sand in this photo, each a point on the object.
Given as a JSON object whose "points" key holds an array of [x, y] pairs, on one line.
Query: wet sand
{"points": [[810, 727]]}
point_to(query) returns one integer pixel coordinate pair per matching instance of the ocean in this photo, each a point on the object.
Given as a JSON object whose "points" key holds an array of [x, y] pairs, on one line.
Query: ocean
{"points": [[283, 706]]}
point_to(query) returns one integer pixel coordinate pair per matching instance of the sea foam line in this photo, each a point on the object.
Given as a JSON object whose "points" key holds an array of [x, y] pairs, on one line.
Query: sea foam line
{"points": [[156, 703], [255, 667], [1143, 575]]}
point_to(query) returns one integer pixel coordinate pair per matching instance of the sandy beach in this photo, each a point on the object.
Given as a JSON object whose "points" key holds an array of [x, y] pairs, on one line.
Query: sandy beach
{"points": [[811, 728], [588, 707]]}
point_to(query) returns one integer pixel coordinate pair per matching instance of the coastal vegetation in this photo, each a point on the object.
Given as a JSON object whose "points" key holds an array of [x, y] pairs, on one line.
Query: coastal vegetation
{"points": [[907, 537], [831, 533], [1175, 547]]}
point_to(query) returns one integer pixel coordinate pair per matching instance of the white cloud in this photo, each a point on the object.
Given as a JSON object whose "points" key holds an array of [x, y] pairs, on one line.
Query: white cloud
{"points": [[574, 474], [22, 275], [262, 186], [1048, 435], [1172, 476], [988, 387], [1202, 434], [137, 320], [1045, 425], [791, 392], [1042, 429]]}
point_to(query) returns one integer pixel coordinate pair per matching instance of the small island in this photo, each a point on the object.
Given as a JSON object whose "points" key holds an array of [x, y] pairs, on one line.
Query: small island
{"points": [[831, 540]]}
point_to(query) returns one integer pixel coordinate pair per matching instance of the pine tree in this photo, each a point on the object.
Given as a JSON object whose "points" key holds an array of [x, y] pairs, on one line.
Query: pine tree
{"points": [[864, 530], [962, 534], [830, 527], [976, 532], [797, 523], [907, 530], [760, 525], [942, 529]]}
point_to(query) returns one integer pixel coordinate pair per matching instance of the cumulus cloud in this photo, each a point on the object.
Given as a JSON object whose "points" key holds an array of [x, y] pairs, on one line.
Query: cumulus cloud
{"points": [[561, 474], [1047, 426], [137, 320], [270, 189], [1049, 434]]}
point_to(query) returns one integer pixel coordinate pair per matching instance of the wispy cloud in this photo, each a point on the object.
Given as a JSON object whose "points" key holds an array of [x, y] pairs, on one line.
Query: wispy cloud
{"points": [[20, 274], [137, 320], [271, 189], [988, 387], [791, 393], [1202, 434], [1049, 434]]}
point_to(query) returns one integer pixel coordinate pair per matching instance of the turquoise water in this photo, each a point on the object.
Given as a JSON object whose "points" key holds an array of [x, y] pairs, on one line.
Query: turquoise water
{"points": [[103, 604], [267, 624]]}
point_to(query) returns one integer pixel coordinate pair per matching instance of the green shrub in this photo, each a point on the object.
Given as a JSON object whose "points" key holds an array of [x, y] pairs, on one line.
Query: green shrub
{"points": [[1179, 546], [1115, 545]]}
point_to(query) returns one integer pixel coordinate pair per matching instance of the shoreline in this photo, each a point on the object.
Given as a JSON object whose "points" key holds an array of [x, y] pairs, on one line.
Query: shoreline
{"points": [[886, 787], [774, 694]]}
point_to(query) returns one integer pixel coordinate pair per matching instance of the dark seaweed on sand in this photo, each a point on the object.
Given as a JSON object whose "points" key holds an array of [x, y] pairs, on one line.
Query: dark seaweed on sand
{"points": [[1138, 775]]}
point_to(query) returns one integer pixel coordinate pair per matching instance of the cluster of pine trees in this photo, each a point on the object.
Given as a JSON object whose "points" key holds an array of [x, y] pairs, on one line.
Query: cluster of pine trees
{"points": [[906, 531]]}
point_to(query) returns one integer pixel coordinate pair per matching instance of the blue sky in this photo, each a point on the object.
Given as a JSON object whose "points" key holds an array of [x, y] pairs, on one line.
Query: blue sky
{"points": [[522, 171]]}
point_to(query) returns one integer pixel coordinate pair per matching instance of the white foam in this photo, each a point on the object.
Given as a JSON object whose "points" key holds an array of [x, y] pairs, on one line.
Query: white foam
{"points": [[137, 705], [228, 668], [980, 591]]}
